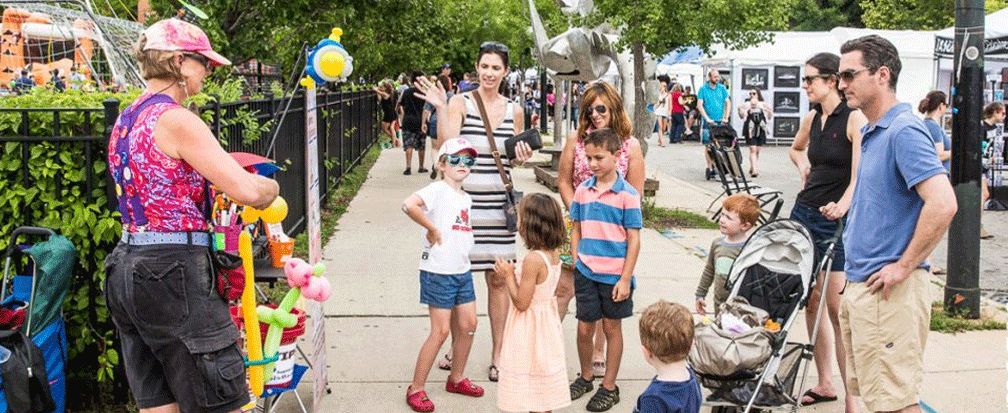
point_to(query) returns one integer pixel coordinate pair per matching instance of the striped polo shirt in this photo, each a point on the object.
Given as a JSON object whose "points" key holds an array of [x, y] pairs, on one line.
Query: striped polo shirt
{"points": [[605, 217]]}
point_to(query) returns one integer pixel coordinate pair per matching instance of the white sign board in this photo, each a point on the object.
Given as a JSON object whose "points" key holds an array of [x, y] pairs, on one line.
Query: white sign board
{"points": [[314, 226]]}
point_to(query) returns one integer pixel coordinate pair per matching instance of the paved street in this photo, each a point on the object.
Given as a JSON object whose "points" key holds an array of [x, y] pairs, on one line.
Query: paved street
{"points": [[374, 324], [686, 162]]}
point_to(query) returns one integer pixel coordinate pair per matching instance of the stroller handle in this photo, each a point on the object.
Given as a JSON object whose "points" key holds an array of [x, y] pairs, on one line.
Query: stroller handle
{"points": [[40, 231]]}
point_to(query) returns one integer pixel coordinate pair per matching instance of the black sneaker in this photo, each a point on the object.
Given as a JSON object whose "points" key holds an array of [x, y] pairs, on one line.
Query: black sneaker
{"points": [[433, 174], [407, 171], [603, 399], [579, 387], [422, 170]]}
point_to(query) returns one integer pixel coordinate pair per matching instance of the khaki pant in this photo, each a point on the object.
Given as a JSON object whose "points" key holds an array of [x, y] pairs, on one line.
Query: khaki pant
{"points": [[885, 341]]}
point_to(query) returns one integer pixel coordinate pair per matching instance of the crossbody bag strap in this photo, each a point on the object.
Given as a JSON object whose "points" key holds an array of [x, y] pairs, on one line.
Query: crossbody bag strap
{"points": [[493, 142]]}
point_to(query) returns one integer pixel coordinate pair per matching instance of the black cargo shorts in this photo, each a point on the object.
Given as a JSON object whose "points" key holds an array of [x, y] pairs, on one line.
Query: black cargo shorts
{"points": [[178, 341]]}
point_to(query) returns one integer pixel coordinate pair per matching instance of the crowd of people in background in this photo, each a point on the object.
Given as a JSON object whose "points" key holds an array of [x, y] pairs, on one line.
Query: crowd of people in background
{"points": [[59, 81]]}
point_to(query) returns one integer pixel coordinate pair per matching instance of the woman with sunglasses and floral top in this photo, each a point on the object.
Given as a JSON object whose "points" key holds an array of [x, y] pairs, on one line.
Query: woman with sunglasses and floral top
{"points": [[601, 107], [460, 117], [755, 113], [826, 151]]}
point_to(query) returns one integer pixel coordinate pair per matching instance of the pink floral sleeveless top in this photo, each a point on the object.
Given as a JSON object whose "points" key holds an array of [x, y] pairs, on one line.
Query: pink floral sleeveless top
{"points": [[156, 193], [581, 169]]}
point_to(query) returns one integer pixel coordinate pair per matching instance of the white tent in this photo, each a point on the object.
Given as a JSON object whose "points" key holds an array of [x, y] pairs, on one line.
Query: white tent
{"points": [[995, 52], [770, 67]]}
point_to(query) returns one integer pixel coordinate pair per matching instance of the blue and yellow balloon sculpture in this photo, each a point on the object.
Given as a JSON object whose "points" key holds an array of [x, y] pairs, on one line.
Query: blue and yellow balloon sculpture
{"points": [[328, 61]]}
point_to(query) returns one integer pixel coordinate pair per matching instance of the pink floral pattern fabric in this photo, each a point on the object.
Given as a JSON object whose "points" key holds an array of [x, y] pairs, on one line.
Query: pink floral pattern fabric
{"points": [[156, 192], [581, 169]]}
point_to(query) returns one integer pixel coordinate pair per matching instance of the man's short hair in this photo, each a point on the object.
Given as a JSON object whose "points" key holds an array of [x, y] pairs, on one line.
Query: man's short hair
{"points": [[604, 138], [666, 330], [745, 205], [415, 75], [876, 52]]}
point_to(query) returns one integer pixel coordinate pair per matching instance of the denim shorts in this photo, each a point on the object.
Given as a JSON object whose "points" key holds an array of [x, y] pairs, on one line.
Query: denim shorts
{"points": [[446, 290], [178, 341], [822, 230]]}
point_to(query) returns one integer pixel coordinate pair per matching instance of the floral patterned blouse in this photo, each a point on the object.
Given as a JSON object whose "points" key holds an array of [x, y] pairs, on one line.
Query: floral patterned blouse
{"points": [[156, 193]]}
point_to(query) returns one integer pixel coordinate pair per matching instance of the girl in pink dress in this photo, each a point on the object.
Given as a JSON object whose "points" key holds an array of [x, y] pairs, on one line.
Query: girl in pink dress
{"points": [[533, 373]]}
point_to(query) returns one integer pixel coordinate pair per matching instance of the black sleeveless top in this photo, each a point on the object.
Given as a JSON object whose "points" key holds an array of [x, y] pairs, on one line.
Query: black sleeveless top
{"points": [[388, 107], [829, 152]]}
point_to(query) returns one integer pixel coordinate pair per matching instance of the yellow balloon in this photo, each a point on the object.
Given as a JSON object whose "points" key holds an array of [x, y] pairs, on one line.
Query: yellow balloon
{"points": [[253, 339], [250, 215], [331, 64], [276, 212]]}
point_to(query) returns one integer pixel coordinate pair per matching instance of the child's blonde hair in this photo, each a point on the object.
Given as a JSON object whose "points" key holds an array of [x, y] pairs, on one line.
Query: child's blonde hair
{"points": [[745, 205], [666, 330], [541, 222]]}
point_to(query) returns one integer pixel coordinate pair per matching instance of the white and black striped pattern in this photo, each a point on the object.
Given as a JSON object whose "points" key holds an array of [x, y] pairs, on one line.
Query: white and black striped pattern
{"points": [[486, 189]]}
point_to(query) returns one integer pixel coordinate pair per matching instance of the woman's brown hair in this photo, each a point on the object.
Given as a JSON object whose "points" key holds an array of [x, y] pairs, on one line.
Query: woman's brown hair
{"points": [[541, 222], [619, 120], [157, 64]]}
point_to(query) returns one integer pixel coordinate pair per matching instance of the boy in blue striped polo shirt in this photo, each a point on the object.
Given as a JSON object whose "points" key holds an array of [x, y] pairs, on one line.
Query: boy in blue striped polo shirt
{"points": [[606, 213]]}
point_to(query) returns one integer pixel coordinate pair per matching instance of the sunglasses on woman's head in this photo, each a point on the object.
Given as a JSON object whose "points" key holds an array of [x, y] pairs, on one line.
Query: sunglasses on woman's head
{"points": [[601, 109], [494, 47], [456, 160]]}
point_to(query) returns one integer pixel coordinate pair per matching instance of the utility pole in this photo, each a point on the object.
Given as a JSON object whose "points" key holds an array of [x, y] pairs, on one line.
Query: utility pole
{"points": [[542, 100], [962, 289]]}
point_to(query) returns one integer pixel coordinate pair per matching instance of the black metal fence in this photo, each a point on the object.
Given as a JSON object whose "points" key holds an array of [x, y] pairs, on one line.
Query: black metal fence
{"points": [[347, 127]]}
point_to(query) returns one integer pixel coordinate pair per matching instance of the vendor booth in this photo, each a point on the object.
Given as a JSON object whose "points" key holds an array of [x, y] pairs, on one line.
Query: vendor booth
{"points": [[775, 69]]}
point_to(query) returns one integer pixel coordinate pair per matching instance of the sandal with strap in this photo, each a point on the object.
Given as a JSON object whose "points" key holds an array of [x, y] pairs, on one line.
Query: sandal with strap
{"points": [[604, 399], [445, 363], [418, 401], [493, 373], [579, 387]]}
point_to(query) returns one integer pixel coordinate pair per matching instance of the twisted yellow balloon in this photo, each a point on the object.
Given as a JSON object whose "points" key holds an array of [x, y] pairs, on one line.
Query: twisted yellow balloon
{"points": [[253, 339]]}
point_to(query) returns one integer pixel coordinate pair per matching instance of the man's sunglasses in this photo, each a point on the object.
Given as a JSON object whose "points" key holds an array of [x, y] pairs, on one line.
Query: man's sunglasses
{"points": [[849, 74], [202, 60], [601, 109], [809, 79], [456, 160]]}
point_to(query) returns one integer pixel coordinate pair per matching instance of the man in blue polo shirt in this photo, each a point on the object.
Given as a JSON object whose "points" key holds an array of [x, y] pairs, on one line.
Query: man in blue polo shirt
{"points": [[903, 203], [714, 104]]}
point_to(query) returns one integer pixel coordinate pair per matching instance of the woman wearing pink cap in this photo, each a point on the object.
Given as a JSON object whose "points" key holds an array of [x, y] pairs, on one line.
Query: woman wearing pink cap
{"points": [[178, 342]]}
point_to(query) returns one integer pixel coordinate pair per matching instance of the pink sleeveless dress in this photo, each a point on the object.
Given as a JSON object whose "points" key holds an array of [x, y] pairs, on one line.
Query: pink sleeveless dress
{"points": [[532, 366]]}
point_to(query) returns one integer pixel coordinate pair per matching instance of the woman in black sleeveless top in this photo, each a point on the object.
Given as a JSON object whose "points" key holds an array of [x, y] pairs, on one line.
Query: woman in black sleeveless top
{"points": [[386, 97], [826, 151]]}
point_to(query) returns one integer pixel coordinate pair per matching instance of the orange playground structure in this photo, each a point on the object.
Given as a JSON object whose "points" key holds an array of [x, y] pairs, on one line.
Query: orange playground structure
{"points": [[33, 39]]}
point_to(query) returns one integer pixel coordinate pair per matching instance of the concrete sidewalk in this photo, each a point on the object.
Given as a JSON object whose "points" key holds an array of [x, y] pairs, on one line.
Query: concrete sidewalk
{"points": [[375, 323]]}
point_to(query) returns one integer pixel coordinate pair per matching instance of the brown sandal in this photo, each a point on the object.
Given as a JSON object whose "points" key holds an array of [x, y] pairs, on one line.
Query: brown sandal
{"points": [[445, 363]]}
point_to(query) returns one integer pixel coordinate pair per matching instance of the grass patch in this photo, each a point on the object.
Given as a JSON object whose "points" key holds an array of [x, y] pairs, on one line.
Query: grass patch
{"points": [[659, 218], [953, 323]]}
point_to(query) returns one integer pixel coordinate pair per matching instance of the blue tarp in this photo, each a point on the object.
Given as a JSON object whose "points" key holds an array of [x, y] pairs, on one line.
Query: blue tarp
{"points": [[691, 54]]}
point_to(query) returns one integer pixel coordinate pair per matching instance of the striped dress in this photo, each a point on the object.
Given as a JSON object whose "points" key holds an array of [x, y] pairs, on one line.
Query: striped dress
{"points": [[486, 189]]}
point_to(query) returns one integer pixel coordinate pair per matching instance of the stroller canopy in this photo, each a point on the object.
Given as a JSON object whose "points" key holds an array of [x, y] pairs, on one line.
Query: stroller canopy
{"points": [[55, 259], [783, 246]]}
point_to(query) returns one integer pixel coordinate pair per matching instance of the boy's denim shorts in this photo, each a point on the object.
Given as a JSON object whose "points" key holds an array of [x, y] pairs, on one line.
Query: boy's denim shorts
{"points": [[446, 290], [178, 341]]}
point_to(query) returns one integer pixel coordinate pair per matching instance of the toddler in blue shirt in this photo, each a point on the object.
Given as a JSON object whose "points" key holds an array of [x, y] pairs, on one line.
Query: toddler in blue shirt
{"points": [[666, 334]]}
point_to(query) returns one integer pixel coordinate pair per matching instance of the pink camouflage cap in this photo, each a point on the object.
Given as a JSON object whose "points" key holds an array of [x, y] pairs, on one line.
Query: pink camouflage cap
{"points": [[175, 35]]}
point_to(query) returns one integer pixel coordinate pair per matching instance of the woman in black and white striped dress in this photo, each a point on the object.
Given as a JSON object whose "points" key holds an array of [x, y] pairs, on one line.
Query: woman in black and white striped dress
{"points": [[484, 185]]}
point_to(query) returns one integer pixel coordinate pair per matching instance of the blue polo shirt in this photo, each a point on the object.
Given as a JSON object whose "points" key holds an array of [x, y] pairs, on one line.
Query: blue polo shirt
{"points": [[713, 100], [897, 153]]}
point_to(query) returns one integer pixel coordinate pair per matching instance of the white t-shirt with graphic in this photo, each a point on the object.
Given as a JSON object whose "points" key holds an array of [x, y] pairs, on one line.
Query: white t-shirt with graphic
{"points": [[448, 210]]}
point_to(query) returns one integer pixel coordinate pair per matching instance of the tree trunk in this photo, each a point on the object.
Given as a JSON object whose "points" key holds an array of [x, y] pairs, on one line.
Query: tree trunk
{"points": [[643, 122]]}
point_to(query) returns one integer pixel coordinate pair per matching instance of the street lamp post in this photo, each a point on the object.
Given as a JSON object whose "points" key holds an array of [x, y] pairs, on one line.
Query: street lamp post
{"points": [[962, 289]]}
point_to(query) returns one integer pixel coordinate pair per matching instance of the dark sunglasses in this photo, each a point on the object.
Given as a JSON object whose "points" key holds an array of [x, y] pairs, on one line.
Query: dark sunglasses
{"points": [[601, 109], [809, 79], [456, 160], [849, 74], [202, 60], [494, 47]]}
